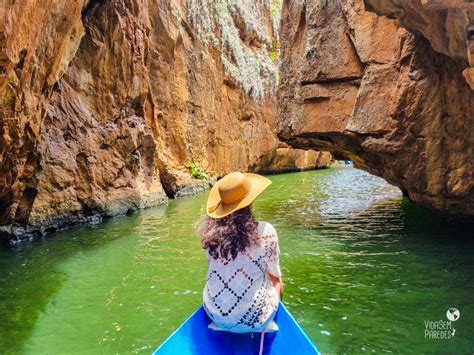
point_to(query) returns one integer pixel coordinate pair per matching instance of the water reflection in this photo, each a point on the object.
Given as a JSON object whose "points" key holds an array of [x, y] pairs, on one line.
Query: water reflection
{"points": [[348, 191]]}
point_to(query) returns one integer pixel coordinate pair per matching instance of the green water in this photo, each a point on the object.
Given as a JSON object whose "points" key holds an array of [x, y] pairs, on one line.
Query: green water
{"points": [[363, 269]]}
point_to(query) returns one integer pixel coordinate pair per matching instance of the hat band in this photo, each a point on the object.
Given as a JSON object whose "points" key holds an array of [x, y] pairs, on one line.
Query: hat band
{"points": [[215, 207], [237, 201]]}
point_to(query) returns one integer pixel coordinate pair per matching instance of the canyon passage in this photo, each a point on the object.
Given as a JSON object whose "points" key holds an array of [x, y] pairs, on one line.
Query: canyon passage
{"points": [[126, 108], [105, 105]]}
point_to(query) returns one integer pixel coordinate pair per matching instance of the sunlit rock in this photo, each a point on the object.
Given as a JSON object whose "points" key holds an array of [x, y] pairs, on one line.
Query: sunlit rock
{"points": [[104, 103], [395, 103]]}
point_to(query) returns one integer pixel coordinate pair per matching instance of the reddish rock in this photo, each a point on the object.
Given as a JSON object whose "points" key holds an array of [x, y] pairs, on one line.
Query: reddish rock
{"points": [[285, 159], [443, 22], [360, 86], [103, 103], [447, 24]]}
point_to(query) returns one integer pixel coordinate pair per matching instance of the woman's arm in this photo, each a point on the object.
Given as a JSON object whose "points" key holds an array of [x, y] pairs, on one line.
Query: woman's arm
{"points": [[278, 284]]}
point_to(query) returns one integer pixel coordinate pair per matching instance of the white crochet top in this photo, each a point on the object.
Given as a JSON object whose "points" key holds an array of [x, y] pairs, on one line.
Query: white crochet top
{"points": [[239, 294]]}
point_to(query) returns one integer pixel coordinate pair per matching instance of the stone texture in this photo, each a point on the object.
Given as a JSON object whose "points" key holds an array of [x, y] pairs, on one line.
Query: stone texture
{"points": [[286, 159], [447, 24], [359, 85], [102, 104], [443, 22]]}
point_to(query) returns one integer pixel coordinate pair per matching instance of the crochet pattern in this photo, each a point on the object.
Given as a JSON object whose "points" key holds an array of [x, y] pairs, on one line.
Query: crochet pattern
{"points": [[239, 294]]}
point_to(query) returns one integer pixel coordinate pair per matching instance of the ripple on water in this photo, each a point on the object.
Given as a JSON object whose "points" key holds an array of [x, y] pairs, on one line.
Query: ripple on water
{"points": [[363, 268]]}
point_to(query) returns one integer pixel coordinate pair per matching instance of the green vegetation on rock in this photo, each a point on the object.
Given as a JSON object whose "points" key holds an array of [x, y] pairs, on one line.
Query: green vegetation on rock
{"points": [[197, 171]]}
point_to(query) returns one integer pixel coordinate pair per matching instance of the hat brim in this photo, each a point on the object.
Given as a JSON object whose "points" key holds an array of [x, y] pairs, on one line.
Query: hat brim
{"points": [[259, 184]]}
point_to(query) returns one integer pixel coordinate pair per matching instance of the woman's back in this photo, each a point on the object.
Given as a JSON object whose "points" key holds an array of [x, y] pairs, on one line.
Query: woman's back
{"points": [[239, 294]]}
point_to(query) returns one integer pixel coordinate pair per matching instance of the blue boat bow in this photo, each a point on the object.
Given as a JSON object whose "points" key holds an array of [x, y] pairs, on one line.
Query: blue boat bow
{"points": [[194, 338]]}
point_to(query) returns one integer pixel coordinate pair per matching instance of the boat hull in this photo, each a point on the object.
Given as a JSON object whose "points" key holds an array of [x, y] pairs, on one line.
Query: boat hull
{"points": [[194, 337]]}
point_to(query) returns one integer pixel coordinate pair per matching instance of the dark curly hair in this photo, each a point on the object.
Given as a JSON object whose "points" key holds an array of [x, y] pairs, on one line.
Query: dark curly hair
{"points": [[227, 236]]}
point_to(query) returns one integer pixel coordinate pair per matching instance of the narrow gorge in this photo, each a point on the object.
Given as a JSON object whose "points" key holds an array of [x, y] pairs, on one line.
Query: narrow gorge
{"points": [[105, 105], [358, 239]]}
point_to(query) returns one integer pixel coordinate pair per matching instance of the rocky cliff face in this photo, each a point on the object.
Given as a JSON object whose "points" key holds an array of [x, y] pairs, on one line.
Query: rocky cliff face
{"points": [[447, 24], [361, 86], [102, 104]]}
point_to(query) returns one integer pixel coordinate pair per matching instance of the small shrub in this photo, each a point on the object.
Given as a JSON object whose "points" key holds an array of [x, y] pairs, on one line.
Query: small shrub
{"points": [[274, 51], [197, 171], [274, 10]]}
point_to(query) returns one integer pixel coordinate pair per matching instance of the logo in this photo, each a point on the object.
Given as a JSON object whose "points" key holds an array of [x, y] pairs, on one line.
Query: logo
{"points": [[442, 329], [453, 314]]}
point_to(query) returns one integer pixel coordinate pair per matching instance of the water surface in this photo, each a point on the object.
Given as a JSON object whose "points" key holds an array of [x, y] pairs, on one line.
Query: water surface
{"points": [[363, 269]]}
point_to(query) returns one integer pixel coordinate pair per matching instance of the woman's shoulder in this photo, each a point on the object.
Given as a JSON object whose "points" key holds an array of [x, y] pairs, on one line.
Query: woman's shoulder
{"points": [[265, 228]]}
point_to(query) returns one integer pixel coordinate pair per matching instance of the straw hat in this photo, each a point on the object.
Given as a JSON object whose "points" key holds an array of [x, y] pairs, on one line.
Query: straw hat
{"points": [[233, 192]]}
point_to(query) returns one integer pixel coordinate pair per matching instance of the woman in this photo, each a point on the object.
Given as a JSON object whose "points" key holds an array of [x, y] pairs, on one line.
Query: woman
{"points": [[243, 283]]}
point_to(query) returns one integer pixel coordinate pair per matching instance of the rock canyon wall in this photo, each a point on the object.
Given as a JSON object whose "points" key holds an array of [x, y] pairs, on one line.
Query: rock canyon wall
{"points": [[103, 103], [394, 101]]}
